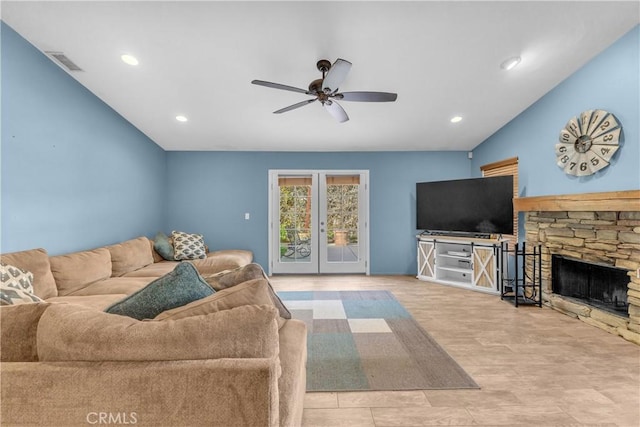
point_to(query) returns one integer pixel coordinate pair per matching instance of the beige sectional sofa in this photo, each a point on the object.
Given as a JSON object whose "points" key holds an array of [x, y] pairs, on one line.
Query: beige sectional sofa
{"points": [[230, 359]]}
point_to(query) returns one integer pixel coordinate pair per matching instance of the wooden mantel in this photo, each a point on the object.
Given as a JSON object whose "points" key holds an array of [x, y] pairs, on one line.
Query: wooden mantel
{"points": [[608, 201]]}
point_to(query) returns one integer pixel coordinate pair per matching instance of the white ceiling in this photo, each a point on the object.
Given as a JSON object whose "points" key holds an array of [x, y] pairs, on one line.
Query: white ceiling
{"points": [[442, 58]]}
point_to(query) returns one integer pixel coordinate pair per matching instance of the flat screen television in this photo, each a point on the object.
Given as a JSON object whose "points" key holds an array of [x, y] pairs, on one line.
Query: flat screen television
{"points": [[475, 206]]}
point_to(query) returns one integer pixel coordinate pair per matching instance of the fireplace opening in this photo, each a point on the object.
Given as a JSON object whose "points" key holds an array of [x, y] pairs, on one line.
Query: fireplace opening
{"points": [[600, 286]]}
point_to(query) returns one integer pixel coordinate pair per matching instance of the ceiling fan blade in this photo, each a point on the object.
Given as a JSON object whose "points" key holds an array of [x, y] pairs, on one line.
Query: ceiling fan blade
{"points": [[367, 96], [294, 106], [336, 111], [336, 75], [279, 86]]}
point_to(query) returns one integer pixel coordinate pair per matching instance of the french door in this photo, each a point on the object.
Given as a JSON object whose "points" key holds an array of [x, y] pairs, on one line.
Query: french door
{"points": [[318, 221]]}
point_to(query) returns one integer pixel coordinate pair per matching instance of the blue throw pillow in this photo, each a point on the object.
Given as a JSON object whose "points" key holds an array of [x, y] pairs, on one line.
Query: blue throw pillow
{"points": [[163, 246], [175, 289]]}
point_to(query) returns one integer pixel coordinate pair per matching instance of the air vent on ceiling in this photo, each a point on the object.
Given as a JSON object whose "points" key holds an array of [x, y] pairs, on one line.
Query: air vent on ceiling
{"points": [[63, 60]]}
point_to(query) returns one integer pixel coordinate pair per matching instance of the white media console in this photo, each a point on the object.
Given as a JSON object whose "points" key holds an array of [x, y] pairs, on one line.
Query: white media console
{"points": [[465, 262]]}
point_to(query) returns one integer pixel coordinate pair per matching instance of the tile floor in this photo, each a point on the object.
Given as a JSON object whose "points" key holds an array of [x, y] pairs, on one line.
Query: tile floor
{"points": [[535, 366]]}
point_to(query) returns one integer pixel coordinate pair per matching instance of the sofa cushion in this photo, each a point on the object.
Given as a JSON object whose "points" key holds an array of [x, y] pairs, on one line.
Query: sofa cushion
{"points": [[95, 302], [37, 262], [164, 246], [18, 332], [229, 278], [227, 259], [252, 292], [67, 332], [76, 270], [130, 255], [188, 246], [175, 289], [155, 270], [114, 285]]}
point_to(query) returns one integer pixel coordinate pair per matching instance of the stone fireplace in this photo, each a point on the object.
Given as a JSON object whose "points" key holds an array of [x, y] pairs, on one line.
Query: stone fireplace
{"points": [[594, 228]]}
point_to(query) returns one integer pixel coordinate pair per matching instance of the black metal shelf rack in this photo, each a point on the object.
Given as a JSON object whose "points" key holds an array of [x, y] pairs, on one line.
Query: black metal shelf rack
{"points": [[521, 287]]}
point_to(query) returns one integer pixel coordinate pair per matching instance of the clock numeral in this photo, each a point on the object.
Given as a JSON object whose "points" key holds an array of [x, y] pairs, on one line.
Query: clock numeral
{"points": [[566, 137], [605, 152], [585, 120], [565, 148], [574, 127], [595, 121], [572, 165], [564, 158], [597, 162], [583, 166], [611, 137], [608, 124]]}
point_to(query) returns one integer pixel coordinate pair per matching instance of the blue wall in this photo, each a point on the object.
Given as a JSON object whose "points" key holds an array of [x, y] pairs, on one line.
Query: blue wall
{"points": [[610, 81], [228, 184], [75, 174]]}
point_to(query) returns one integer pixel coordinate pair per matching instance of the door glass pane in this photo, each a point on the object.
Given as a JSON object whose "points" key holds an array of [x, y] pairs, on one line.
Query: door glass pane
{"points": [[295, 218], [342, 218]]}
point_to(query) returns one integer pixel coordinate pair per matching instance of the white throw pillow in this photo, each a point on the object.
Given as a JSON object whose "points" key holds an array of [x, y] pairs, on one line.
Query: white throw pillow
{"points": [[15, 277], [16, 285], [188, 246]]}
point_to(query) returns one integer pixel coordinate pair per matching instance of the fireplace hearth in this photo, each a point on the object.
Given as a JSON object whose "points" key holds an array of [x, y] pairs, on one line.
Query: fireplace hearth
{"points": [[597, 285]]}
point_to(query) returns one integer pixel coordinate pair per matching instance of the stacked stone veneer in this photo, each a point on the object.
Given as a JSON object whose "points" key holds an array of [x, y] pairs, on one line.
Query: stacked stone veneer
{"points": [[611, 238]]}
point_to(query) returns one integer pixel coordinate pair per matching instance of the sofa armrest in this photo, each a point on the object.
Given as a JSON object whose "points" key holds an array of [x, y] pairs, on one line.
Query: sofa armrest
{"points": [[221, 392]]}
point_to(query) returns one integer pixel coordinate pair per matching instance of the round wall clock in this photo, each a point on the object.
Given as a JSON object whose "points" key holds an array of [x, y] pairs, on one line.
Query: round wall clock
{"points": [[588, 142]]}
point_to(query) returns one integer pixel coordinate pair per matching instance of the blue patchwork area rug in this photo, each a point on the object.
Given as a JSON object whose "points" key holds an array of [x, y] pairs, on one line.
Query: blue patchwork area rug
{"points": [[366, 340]]}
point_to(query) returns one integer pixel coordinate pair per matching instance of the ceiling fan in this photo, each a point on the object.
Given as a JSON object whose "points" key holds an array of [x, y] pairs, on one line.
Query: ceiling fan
{"points": [[325, 90]]}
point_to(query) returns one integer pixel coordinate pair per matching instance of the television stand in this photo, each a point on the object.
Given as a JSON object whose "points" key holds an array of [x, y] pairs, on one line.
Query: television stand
{"points": [[463, 261]]}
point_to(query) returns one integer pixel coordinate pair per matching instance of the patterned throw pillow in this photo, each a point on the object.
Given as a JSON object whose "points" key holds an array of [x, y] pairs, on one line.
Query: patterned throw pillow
{"points": [[16, 285], [15, 277], [15, 296], [188, 246]]}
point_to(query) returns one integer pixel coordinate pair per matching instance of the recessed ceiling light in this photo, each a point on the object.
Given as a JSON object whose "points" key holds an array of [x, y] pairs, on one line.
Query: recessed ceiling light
{"points": [[456, 119], [181, 118], [510, 63], [129, 59]]}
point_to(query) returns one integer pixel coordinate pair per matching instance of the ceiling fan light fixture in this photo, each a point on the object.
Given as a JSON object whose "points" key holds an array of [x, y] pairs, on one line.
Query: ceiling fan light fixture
{"points": [[510, 63], [456, 119], [182, 118], [129, 59]]}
